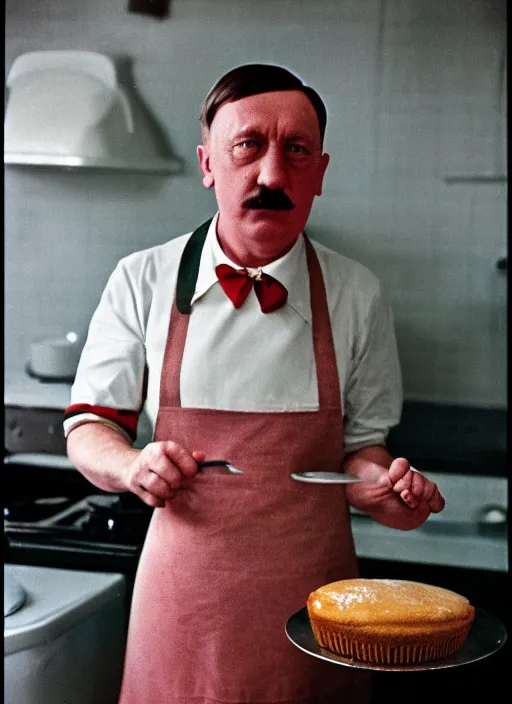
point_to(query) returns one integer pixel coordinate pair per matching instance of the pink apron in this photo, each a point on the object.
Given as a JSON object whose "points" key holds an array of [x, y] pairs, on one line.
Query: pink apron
{"points": [[231, 558]]}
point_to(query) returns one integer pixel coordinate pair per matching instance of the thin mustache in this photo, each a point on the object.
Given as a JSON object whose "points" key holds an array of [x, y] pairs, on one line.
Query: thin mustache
{"points": [[268, 200]]}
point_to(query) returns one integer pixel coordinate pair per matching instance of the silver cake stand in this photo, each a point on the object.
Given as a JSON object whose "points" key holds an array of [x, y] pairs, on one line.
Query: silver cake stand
{"points": [[487, 635]]}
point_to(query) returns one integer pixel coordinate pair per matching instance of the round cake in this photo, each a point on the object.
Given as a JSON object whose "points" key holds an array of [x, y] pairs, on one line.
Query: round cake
{"points": [[389, 621]]}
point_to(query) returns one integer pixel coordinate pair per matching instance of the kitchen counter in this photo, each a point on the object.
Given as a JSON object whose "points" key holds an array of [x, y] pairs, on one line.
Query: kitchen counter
{"points": [[39, 460], [448, 544], [22, 390], [456, 536]]}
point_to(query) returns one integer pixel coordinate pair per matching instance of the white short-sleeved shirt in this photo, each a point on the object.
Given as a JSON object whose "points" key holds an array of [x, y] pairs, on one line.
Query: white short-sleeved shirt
{"points": [[240, 360]]}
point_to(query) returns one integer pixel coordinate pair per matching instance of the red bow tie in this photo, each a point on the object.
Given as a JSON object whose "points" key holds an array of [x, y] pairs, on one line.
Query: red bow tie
{"points": [[237, 284]]}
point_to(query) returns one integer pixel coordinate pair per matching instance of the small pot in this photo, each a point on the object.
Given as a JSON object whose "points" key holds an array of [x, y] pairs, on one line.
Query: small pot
{"points": [[55, 359]]}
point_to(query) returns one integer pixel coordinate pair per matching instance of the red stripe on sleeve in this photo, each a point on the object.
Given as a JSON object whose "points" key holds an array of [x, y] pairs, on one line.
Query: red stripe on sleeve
{"points": [[128, 420]]}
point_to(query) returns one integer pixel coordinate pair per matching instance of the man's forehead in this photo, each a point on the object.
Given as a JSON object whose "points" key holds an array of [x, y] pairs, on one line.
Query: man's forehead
{"points": [[289, 107]]}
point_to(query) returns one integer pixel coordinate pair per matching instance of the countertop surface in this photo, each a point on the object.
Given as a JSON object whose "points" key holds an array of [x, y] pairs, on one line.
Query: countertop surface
{"points": [[455, 537], [436, 544], [22, 390]]}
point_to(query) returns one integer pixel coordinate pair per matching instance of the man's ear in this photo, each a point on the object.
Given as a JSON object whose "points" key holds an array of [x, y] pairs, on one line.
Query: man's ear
{"points": [[204, 163], [324, 162]]}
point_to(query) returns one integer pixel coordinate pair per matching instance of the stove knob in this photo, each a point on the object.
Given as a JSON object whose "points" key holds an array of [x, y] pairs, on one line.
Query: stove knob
{"points": [[16, 430]]}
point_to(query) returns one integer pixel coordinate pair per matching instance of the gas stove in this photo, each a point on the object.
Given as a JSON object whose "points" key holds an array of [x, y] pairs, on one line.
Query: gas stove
{"points": [[99, 532], [105, 519]]}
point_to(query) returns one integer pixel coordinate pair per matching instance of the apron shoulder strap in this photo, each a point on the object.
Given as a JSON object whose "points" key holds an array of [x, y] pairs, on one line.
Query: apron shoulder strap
{"points": [[189, 268], [323, 342], [180, 312]]}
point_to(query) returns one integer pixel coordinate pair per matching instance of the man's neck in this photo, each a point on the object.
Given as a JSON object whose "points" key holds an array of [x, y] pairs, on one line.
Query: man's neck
{"points": [[248, 256]]}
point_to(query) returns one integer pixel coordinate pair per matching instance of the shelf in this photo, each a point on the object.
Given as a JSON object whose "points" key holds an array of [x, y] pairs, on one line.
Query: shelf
{"points": [[113, 164]]}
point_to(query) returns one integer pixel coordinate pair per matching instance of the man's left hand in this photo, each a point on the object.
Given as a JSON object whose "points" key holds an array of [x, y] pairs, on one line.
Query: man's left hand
{"points": [[413, 487], [391, 492]]}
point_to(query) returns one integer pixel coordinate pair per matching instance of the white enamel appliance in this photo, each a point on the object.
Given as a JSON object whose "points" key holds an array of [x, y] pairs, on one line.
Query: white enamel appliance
{"points": [[64, 636]]}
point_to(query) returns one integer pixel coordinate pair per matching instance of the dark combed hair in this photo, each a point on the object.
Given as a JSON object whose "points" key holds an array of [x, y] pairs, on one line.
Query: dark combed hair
{"points": [[252, 79]]}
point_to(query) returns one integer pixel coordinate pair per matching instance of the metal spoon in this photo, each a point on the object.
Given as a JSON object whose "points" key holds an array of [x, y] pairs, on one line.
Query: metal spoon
{"points": [[220, 463], [325, 477]]}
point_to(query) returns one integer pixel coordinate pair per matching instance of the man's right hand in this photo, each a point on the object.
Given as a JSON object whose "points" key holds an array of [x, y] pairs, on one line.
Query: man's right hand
{"points": [[107, 459], [157, 472]]}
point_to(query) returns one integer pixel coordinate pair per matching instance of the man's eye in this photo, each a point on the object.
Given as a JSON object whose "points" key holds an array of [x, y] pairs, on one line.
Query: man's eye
{"points": [[246, 144], [297, 148]]}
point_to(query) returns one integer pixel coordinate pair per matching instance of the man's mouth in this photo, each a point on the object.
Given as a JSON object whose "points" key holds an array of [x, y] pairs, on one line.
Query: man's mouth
{"points": [[268, 199]]}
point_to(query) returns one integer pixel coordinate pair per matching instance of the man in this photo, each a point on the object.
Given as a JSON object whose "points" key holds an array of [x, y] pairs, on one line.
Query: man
{"points": [[249, 343]]}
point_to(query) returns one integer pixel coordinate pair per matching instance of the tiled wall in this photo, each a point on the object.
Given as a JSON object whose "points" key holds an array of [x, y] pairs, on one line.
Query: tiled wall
{"points": [[414, 90]]}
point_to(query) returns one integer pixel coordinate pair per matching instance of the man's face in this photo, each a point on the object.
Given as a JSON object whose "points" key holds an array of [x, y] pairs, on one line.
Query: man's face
{"points": [[263, 155]]}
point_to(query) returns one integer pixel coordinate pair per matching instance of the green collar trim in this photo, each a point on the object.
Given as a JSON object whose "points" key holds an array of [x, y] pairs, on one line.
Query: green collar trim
{"points": [[189, 268]]}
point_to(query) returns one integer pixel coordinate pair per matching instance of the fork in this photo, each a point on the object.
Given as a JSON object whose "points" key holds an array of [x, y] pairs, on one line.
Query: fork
{"points": [[220, 463]]}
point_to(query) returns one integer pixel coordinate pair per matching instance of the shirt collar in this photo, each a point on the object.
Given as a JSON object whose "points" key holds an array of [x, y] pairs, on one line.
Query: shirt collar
{"points": [[288, 269]]}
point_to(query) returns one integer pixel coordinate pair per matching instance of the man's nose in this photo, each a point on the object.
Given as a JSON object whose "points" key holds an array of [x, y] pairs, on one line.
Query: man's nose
{"points": [[272, 169]]}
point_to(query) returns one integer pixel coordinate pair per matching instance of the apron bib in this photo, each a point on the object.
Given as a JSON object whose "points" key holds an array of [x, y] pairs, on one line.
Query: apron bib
{"points": [[231, 558]]}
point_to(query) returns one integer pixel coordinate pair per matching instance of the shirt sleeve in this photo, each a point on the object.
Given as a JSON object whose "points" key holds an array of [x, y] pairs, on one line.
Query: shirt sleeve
{"points": [[109, 383], [373, 397]]}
